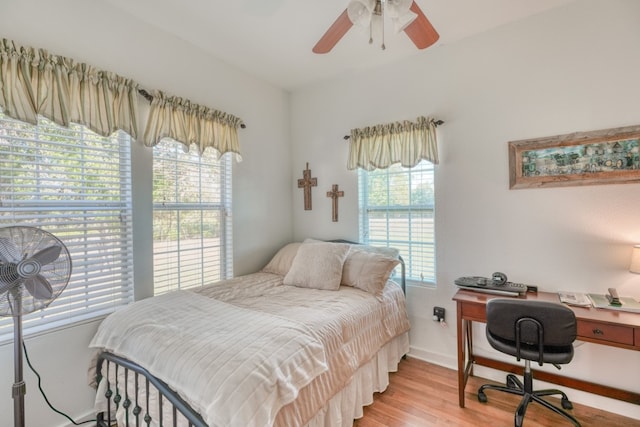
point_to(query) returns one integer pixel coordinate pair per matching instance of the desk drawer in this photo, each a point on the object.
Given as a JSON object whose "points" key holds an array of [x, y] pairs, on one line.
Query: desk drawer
{"points": [[605, 332]]}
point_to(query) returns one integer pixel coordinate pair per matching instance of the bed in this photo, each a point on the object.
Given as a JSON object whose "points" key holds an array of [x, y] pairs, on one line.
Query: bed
{"points": [[306, 341]]}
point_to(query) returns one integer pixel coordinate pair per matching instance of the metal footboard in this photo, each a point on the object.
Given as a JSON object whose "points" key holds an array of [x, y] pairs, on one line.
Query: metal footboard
{"points": [[127, 392]]}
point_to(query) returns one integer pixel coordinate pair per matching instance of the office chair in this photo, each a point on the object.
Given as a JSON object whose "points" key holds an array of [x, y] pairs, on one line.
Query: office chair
{"points": [[531, 330]]}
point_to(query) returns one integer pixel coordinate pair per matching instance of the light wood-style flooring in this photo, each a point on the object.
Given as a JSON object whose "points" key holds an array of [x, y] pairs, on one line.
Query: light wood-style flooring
{"points": [[423, 394]]}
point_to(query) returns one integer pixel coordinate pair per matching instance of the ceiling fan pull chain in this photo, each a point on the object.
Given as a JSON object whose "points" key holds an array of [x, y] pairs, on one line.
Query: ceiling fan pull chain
{"points": [[383, 7], [371, 32]]}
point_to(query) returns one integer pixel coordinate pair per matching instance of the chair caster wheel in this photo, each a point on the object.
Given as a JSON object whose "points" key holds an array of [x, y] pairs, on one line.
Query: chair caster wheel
{"points": [[511, 383], [482, 398], [566, 404]]}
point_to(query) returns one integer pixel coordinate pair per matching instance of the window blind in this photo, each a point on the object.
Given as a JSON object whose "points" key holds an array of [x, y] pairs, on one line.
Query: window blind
{"points": [[191, 217], [77, 186], [397, 207]]}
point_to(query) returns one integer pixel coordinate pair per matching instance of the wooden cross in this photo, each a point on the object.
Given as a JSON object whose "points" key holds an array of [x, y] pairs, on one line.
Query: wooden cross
{"points": [[307, 182], [334, 194]]}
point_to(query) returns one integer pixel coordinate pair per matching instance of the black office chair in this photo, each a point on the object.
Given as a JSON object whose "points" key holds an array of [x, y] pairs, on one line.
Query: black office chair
{"points": [[532, 330]]}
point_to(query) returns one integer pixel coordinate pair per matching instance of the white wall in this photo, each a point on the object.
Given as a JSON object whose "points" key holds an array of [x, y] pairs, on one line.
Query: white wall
{"points": [[97, 34], [572, 69]]}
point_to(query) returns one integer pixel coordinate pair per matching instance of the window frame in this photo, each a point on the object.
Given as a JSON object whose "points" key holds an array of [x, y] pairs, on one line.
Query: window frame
{"points": [[365, 209], [71, 219], [222, 205]]}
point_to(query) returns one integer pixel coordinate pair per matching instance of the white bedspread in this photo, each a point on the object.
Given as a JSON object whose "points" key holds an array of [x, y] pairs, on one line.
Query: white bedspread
{"points": [[206, 345]]}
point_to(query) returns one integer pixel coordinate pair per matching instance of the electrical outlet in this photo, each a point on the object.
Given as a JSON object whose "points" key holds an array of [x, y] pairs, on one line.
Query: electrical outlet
{"points": [[438, 314]]}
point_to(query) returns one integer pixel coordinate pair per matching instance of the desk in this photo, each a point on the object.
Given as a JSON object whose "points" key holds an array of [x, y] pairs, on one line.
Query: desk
{"points": [[606, 327]]}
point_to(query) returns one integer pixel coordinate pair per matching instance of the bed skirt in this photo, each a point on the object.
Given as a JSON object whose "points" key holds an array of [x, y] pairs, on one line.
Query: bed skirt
{"points": [[347, 405]]}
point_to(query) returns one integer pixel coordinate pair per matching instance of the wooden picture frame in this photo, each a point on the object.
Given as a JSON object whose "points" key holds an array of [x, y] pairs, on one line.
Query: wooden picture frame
{"points": [[608, 156]]}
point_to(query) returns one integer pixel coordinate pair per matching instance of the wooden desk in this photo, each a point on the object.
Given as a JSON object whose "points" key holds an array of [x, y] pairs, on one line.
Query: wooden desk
{"points": [[606, 327]]}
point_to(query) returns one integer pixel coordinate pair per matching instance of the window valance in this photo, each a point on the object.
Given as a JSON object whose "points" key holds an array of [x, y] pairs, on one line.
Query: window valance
{"points": [[34, 82], [406, 142], [190, 123]]}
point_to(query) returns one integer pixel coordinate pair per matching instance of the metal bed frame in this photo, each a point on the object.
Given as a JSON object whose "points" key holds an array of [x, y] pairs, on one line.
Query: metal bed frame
{"points": [[117, 395], [137, 408]]}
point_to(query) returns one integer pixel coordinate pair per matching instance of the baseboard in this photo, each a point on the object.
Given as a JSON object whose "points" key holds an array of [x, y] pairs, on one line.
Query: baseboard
{"points": [[435, 358]]}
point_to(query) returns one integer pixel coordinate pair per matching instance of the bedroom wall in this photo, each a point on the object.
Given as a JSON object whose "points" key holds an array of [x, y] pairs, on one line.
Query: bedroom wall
{"points": [[571, 69], [100, 35]]}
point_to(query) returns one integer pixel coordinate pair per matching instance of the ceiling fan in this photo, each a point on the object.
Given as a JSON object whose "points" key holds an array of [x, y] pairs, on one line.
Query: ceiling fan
{"points": [[406, 16]]}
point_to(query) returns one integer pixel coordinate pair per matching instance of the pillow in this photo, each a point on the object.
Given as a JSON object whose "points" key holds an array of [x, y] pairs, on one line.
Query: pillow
{"points": [[318, 266], [368, 271], [282, 260]]}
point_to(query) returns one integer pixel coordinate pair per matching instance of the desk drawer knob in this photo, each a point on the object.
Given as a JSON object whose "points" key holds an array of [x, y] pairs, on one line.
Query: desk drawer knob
{"points": [[597, 331]]}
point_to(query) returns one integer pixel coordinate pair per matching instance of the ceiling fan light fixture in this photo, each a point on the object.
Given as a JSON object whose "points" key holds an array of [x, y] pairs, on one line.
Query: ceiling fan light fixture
{"points": [[397, 8], [360, 11], [402, 22]]}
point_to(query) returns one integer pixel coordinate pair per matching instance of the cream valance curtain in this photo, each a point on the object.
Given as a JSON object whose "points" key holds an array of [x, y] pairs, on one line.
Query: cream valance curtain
{"points": [[380, 146], [34, 82], [190, 123]]}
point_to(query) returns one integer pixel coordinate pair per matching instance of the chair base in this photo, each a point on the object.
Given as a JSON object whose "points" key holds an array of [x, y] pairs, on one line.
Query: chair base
{"points": [[515, 386]]}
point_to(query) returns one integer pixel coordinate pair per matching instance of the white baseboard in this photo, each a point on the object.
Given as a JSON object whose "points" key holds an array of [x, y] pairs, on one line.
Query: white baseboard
{"points": [[435, 358]]}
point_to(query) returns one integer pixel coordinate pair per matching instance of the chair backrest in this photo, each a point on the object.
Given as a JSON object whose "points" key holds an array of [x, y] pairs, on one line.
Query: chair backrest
{"points": [[534, 330]]}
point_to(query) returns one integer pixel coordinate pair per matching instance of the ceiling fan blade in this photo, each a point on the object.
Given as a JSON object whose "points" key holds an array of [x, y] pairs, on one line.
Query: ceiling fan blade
{"points": [[420, 31], [39, 287], [9, 251], [333, 35], [48, 255]]}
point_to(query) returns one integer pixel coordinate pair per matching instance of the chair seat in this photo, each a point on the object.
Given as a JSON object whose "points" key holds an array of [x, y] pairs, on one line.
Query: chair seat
{"points": [[555, 355]]}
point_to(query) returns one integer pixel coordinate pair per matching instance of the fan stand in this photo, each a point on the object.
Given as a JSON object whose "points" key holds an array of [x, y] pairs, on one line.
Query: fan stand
{"points": [[19, 387]]}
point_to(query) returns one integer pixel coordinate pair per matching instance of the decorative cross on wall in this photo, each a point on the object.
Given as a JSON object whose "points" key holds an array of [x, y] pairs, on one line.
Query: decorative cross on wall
{"points": [[334, 194], [307, 182]]}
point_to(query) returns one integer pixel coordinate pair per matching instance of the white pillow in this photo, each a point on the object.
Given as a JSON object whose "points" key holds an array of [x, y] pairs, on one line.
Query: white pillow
{"points": [[318, 266], [368, 271], [282, 260]]}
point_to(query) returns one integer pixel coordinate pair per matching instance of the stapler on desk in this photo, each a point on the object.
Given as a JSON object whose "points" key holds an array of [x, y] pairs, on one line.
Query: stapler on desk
{"points": [[613, 297]]}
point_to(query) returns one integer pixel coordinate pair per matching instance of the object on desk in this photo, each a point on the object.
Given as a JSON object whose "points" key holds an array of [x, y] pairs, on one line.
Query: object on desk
{"points": [[497, 282], [613, 297], [491, 291], [574, 298], [626, 303]]}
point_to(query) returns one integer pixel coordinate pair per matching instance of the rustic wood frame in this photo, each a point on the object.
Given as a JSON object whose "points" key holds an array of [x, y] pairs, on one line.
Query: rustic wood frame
{"points": [[568, 142]]}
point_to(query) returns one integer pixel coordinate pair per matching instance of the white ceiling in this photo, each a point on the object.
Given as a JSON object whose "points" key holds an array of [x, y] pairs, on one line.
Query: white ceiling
{"points": [[272, 39]]}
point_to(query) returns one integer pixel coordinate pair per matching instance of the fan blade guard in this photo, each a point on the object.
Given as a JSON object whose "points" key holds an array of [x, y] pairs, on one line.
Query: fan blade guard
{"points": [[9, 251]]}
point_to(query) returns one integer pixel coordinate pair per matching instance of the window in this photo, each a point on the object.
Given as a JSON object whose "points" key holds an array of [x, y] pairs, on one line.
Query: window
{"points": [[77, 186], [191, 217], [397, 209]]}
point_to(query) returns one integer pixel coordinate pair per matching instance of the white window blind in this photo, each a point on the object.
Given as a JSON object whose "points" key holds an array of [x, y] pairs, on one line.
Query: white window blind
{"points": [[191, 217], [77, 186], [397, 210]]}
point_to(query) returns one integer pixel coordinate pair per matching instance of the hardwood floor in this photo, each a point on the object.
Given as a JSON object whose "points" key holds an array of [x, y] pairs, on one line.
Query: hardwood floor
{"points": [[423, 394]]}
